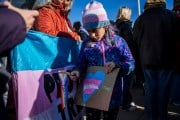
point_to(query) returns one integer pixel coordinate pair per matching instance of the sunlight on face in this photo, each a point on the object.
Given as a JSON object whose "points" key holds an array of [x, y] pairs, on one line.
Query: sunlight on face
{"points": [[97, 33], [67, 4]]}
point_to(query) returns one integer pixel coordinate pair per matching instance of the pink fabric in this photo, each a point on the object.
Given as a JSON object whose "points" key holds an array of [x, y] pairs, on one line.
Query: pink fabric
{"points": [[94, 12], [93, 18], [90, 85], [93, 6], [88, 91], [92, 81], [32, 100]]}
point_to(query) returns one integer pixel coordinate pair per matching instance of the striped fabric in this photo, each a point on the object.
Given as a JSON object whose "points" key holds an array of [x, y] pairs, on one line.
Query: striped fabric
{"points": [[94, 16], [40, 87]]}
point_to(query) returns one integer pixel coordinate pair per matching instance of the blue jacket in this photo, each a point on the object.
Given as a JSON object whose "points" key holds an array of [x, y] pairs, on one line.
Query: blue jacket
{"points": [[116, 51]]}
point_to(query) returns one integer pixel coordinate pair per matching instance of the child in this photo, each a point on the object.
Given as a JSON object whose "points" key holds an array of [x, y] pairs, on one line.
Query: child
{"points": [[103, 48]]}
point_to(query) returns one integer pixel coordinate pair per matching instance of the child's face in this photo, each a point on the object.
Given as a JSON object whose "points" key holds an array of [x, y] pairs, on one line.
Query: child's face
{"points": [[97, 33]]}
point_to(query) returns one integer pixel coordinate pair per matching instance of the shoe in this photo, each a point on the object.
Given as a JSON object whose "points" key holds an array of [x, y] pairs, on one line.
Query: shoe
{"points": [[131, 107], [176, 104]]}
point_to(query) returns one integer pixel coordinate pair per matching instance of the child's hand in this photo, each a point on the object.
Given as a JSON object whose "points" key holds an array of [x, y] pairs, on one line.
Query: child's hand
{"points": [[109, 66], [74, 75]]}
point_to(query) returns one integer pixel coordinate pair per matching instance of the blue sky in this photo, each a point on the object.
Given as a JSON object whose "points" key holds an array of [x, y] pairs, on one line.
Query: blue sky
{"points": [[111, 7]]}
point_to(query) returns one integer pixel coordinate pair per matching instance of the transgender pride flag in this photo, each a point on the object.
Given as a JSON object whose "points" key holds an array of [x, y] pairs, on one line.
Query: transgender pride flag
{"points": [[40, 88]]}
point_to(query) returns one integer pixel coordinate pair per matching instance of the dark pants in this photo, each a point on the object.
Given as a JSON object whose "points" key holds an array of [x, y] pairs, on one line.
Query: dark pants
{"points": [[4, 79], [175, 93], [157, 89], [94, 114], [127, 96]]}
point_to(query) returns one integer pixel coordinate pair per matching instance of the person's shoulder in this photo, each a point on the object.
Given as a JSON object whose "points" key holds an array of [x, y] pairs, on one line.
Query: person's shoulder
{"points": [[45, 10], [124, 22], [119, 22], [170, 12], [117, 38], [119, 41]]}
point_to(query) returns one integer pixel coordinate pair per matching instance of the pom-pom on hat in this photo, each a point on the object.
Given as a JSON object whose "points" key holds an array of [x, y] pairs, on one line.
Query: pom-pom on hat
{"points": [[94, 16]]}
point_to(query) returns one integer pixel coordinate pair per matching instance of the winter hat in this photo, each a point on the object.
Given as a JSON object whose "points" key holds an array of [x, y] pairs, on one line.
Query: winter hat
{"points": [[94, 16]]}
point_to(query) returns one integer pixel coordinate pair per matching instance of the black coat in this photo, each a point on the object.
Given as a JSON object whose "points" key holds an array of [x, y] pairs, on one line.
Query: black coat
{"points": [[124, 29], [154, 33]]}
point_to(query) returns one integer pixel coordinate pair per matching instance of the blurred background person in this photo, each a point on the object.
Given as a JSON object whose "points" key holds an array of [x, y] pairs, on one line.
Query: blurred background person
{"points": [[123, 26], [78, 28], [154, 32]]}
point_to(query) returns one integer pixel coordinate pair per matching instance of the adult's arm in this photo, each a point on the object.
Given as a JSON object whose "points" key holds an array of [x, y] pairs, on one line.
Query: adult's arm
{"points": [[12, 29]]}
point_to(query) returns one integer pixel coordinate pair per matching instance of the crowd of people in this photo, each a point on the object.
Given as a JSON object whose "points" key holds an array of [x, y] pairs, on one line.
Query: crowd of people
{"points": [[146, 53]]}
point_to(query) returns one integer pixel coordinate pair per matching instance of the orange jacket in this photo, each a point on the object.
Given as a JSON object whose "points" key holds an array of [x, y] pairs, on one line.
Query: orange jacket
{"points": [[55, 22]]}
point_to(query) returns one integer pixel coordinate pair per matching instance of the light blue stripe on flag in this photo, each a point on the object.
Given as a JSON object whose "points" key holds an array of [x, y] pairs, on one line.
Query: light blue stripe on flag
{"points": [[40, 51]]}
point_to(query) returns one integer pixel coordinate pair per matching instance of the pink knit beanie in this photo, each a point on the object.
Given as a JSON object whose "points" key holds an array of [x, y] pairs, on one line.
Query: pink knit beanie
{"points": [[94, 16]]}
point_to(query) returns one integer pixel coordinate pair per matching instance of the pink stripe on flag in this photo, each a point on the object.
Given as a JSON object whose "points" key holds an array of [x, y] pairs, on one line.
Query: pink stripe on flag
{"points": [[88, 91], [92, 81], [32, 98]]}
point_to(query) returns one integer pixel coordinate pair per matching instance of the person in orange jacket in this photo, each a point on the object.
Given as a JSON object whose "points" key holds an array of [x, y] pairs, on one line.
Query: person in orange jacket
{"points": [[53, 19]]}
